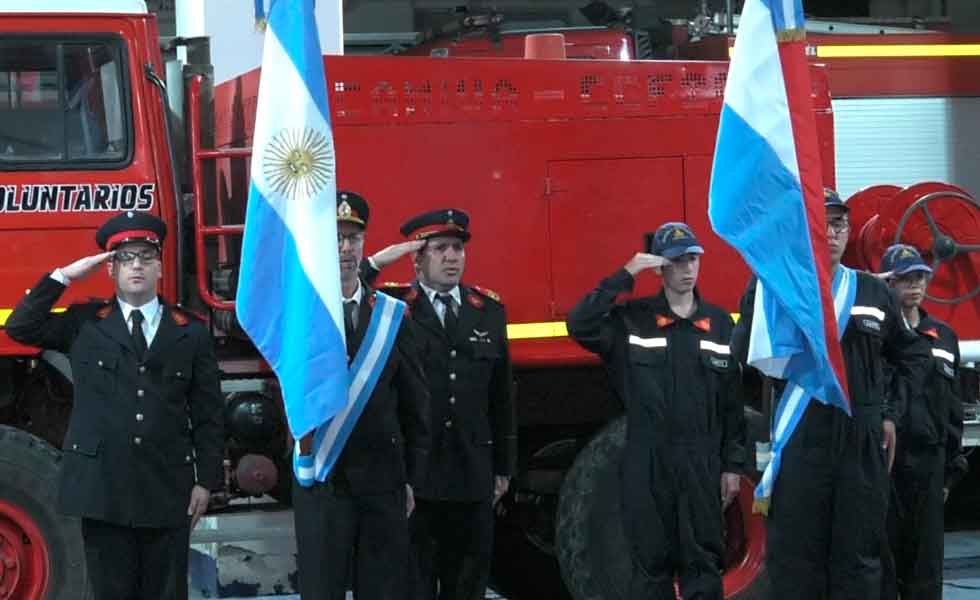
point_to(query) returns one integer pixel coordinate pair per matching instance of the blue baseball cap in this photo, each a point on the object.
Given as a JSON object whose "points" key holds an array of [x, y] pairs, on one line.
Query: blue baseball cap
{"points": [[902, 259], [674, 239], [832, 199]]}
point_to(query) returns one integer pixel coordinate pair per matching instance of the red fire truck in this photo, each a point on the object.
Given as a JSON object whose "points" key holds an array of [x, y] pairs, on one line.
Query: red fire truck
{"points": [[563, 165]]}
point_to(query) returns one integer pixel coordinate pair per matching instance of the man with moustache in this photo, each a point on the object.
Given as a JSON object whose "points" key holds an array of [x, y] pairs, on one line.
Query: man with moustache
{"points": [[462, 339], [357, 520], [929, 457], [143, 449], [668, 360], [825, 524]]}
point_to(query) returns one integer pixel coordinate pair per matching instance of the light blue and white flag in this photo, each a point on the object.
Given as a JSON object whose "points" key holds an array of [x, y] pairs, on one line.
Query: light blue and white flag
{"points": [[289, 298]]}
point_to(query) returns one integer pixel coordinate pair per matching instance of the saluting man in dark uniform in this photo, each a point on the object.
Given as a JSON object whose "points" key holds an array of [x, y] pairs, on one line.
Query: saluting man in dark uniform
{"points": [[143, 449], [825, 525], [669, 362], [929, 457], [357, 520], [463, 343]]}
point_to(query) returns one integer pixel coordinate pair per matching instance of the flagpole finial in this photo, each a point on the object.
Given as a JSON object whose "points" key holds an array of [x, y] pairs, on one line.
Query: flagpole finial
{"points": [[261, 22]]}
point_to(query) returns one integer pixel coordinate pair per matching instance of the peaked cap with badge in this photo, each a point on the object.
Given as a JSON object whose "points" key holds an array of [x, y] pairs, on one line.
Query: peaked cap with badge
{"points": [[672, 240], [131, 226], [352, 208], [445, 221]]}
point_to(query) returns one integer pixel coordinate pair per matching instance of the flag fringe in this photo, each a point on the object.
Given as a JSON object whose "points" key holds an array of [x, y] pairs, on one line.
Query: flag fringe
{"points": [[791, 35], [760, 506]]}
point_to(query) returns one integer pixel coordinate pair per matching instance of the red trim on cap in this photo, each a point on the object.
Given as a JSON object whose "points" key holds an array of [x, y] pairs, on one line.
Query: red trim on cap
{"points": [[132, 234], [440, 229]]}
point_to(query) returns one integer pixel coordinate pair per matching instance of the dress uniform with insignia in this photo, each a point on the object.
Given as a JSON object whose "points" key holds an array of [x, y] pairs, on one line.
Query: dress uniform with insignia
{"points": [[685, 426], [929, 456], [354, 526], [825, 525], [462, 331], [146, 425]]}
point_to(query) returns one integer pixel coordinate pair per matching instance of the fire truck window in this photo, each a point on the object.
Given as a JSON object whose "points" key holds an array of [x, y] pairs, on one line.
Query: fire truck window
{"points": [[61, 103]]}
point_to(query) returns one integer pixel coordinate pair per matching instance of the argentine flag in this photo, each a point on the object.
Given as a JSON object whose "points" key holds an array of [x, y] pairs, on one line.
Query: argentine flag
{"points": [[766, 200], [289, 299]]}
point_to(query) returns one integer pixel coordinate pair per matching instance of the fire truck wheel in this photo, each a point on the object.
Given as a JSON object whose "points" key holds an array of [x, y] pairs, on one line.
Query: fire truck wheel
{"points": [[591, 542], [41, 553]]}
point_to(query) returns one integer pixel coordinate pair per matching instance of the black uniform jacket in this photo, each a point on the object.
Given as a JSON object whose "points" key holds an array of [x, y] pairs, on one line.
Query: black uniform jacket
{"points": [[934, 416], [675, 375], [875, 330], [389, 445], [141, 433], [469, 375]]}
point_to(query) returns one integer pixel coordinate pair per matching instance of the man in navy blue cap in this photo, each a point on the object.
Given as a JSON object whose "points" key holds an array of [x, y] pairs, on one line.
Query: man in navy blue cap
{"points": [[826, 519], [144, 446], [669, 362], [929, 457], [462, 332]]}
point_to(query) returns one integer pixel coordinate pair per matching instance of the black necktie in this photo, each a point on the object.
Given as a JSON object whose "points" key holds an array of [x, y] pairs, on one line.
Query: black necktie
{"points": [[349, 308], [139, 340], [449, 318]]}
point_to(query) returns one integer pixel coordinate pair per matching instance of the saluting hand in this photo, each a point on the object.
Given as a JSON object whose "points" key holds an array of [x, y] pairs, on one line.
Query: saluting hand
{"points": [[383, 258], [198, 505], [642, 261], [83, 267]]}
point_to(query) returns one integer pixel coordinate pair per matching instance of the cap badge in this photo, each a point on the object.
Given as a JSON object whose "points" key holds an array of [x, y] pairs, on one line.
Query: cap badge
{"points": [[906, 253], [343, 210], [678, 233]]}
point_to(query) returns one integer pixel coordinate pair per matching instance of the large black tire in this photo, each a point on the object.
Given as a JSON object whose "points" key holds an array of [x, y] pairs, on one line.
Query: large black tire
{"points": [[28, 475], [591, 542]]}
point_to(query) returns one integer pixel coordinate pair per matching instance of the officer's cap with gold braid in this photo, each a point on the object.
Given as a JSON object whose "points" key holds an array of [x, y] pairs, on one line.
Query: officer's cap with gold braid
{"points": [[131, 226], [352, 208], [445, 221]]}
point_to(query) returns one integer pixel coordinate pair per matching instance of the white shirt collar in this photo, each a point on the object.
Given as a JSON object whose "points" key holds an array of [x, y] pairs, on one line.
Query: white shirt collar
{"points": [[150, 310], [358, 294], [431, 294]]}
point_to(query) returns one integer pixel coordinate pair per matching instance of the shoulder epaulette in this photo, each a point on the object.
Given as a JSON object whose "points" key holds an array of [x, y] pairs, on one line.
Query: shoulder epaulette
{"points": [[183, 316], [488, 293], [405, 292]]}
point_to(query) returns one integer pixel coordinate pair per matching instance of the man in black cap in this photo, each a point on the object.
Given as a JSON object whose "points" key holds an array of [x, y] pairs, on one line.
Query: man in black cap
{"points": [[669, 362], [357, 519], [826, 520], [143, 449], [463, 341], [929, 457]]}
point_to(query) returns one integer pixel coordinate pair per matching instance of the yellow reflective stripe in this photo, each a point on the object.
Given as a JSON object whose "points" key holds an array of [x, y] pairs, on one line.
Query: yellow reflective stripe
{"points": [[546, 329], [892, 50], [898, 50], [5, 314], [527, 331]]}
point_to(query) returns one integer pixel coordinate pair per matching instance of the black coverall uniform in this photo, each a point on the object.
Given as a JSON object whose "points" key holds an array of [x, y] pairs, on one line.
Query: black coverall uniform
{"points": [[684, 428], [827, 517], [929, 457]]}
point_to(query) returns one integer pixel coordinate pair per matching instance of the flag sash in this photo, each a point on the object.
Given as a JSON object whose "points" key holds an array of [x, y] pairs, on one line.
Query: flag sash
{"points": [[794, 400], [372, 356]]}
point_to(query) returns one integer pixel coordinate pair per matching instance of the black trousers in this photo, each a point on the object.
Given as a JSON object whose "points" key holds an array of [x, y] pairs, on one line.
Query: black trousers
{"points": [[136, 563], [914, 565], [341, 538], [673, 519], [827, 518], [452, 544]]}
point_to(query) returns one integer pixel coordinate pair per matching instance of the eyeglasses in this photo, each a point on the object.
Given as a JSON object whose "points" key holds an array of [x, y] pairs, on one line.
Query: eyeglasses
{"points": [[838, 226], [128, 256], [354, 239]]}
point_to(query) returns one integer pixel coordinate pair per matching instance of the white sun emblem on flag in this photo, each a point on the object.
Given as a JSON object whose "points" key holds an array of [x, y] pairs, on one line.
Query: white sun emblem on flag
{"points": [[299, 163]]}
